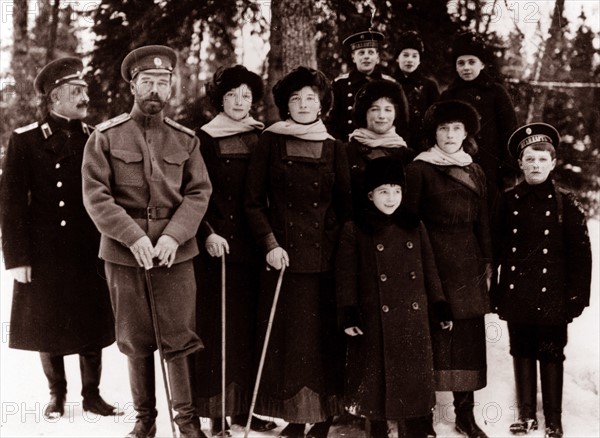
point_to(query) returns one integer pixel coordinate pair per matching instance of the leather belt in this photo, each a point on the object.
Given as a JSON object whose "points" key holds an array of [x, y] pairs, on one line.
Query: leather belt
{"points": [[151, 213]]}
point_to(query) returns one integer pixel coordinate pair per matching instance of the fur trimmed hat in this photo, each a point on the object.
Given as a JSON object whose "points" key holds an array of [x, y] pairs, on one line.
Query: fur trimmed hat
{"points": [[297, 79], [226, 79], [384, 170], [450, 111], [410, 40], [375, 90]]}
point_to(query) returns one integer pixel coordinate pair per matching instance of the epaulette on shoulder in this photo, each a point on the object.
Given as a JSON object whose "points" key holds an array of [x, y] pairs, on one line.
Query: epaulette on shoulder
{"points": [[342, 76], [174, 124], [110, 123], [29, 127], [87, 129], [388, 78]]}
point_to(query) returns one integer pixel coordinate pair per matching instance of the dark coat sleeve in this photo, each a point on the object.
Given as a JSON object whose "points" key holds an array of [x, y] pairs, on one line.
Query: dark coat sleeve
{"points": [[14, 215], [482, 225], [347, 277], [506, 122], [342, 198]]}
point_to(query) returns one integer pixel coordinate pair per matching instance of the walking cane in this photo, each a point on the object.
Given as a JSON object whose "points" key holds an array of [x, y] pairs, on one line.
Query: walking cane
{"points": [[223, 344], [264, 350], [160, 347]]}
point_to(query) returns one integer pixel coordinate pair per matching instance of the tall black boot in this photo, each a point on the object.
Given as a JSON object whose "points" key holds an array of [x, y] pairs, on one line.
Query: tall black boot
{"points": [[141, 381], [465, 421], [526, 388], [320, 430], [90, 365], [181, 396], [551, 374], [379, 429], [54, 369], [418, 427]]}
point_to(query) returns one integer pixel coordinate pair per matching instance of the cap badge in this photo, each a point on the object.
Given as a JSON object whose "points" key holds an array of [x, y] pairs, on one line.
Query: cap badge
{"points": [[157, 62], [528, 131]]}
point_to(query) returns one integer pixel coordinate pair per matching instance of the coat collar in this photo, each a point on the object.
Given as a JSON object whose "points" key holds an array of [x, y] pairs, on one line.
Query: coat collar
{"points": [[356, 77], [541, 191], [145, 120]]}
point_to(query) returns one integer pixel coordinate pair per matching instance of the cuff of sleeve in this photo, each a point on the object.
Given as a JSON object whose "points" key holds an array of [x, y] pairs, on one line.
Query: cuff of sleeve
{"points": [[176, 231], [269, 242], [350, 317], [131, 235]]}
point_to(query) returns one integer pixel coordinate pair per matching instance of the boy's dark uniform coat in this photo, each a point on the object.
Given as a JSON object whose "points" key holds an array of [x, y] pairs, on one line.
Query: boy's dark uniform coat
{"points": [[66, 308]]}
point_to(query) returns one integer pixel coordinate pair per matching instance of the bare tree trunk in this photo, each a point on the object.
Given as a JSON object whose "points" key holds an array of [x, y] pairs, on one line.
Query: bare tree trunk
{"points": [[52, 31], [292, 42]]}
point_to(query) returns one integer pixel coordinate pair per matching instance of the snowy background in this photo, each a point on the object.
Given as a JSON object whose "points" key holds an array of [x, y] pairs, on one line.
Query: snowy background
{"points": [[24, 393]]}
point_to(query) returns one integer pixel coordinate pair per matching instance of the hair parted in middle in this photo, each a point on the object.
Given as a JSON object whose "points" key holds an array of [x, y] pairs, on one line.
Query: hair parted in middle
{"points": [[375, 90], [226, 79], [297, 79]]}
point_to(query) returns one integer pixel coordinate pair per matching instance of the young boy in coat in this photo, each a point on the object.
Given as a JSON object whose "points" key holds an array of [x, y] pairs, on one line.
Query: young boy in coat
{"points": [[387, 288], [545, 273]]}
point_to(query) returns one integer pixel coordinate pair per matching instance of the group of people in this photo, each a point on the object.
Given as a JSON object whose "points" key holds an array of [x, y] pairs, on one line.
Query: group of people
{"points": [[376, 205]]}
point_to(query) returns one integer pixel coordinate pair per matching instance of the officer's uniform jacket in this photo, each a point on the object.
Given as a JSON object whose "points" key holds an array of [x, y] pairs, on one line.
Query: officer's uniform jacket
{"points": [[546, 258], [345, 87], [135, 162], [66, 308]]}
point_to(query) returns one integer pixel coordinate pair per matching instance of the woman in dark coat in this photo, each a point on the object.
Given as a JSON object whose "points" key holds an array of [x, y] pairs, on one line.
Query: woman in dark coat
{"points": [[421, 91], [377, 108], [447, 191], [226, 144], [62, 305], [386, 282], [298, 195], [497, 115]]}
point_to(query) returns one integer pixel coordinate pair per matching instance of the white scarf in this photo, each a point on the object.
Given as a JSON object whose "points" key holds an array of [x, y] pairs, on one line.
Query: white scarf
{"points": [[224, 126], [435, 155], [315, 131], [389, 139]]}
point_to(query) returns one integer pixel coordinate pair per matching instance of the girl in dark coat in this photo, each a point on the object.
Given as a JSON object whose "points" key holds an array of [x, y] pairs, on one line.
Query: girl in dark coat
{"points": [[420, 90], [226, 144], [386, 281], [298, 195], [545, 275], [377, 107], [447, 191], [497, 115]]}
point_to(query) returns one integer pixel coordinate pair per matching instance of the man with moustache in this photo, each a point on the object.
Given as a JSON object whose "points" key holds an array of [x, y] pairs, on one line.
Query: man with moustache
{"points": [[60, 301], [146, 188], [364, 50]]}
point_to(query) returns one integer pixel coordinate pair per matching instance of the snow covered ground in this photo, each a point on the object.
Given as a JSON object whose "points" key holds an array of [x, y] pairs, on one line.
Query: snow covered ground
{"points": [[24, 393]]}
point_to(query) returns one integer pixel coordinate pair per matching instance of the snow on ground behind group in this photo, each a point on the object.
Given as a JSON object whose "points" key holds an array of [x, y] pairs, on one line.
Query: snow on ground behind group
{"points": [[24, 392]]}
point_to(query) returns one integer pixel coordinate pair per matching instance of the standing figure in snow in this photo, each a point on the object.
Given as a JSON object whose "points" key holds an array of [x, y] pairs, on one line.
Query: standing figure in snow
{"points": [[227, 142], [60, 302], [364, 50], [146, 188], [298, 196], [378, 105], [420, 90], [497, 115], [387, 286], [447, 190], [545, 273]]}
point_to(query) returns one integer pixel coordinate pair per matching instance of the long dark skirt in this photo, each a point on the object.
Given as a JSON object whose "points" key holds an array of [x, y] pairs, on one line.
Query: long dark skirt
{"points": [[241, 294], [459, 356], [302, 376]]}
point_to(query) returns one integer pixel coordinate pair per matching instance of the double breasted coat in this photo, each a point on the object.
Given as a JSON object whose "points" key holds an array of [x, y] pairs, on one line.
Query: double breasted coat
{"points": [[389, 275], [66, 307], [227, 160], [421, 92], [545, 260]]}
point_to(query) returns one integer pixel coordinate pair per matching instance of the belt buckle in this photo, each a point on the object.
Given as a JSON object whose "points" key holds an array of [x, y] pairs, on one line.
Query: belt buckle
{"points": [[151, 213]]}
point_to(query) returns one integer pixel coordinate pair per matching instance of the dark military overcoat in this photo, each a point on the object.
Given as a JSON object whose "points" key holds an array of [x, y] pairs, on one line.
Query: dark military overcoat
{"points": [[66, 308]]}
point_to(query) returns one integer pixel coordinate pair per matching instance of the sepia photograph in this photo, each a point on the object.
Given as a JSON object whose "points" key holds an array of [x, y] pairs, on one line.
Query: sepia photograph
{"points": [[300, 219]]}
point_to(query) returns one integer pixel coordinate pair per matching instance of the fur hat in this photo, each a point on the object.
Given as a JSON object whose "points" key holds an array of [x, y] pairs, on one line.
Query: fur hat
{"points": [[226, 79], [410, 40], [384, 170], [373, 91], [296, 80], [450, 111], [468, 43]]}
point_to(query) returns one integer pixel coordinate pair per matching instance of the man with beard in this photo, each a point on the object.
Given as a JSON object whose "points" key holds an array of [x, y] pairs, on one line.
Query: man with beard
{"points": [[146, 188], [60, 301]]}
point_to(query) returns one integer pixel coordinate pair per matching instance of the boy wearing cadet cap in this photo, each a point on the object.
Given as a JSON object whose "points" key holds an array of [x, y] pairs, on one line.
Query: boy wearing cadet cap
{"points": [[60, 302], [364, 50], [545, 272], [420, 90], [146, 188]]}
